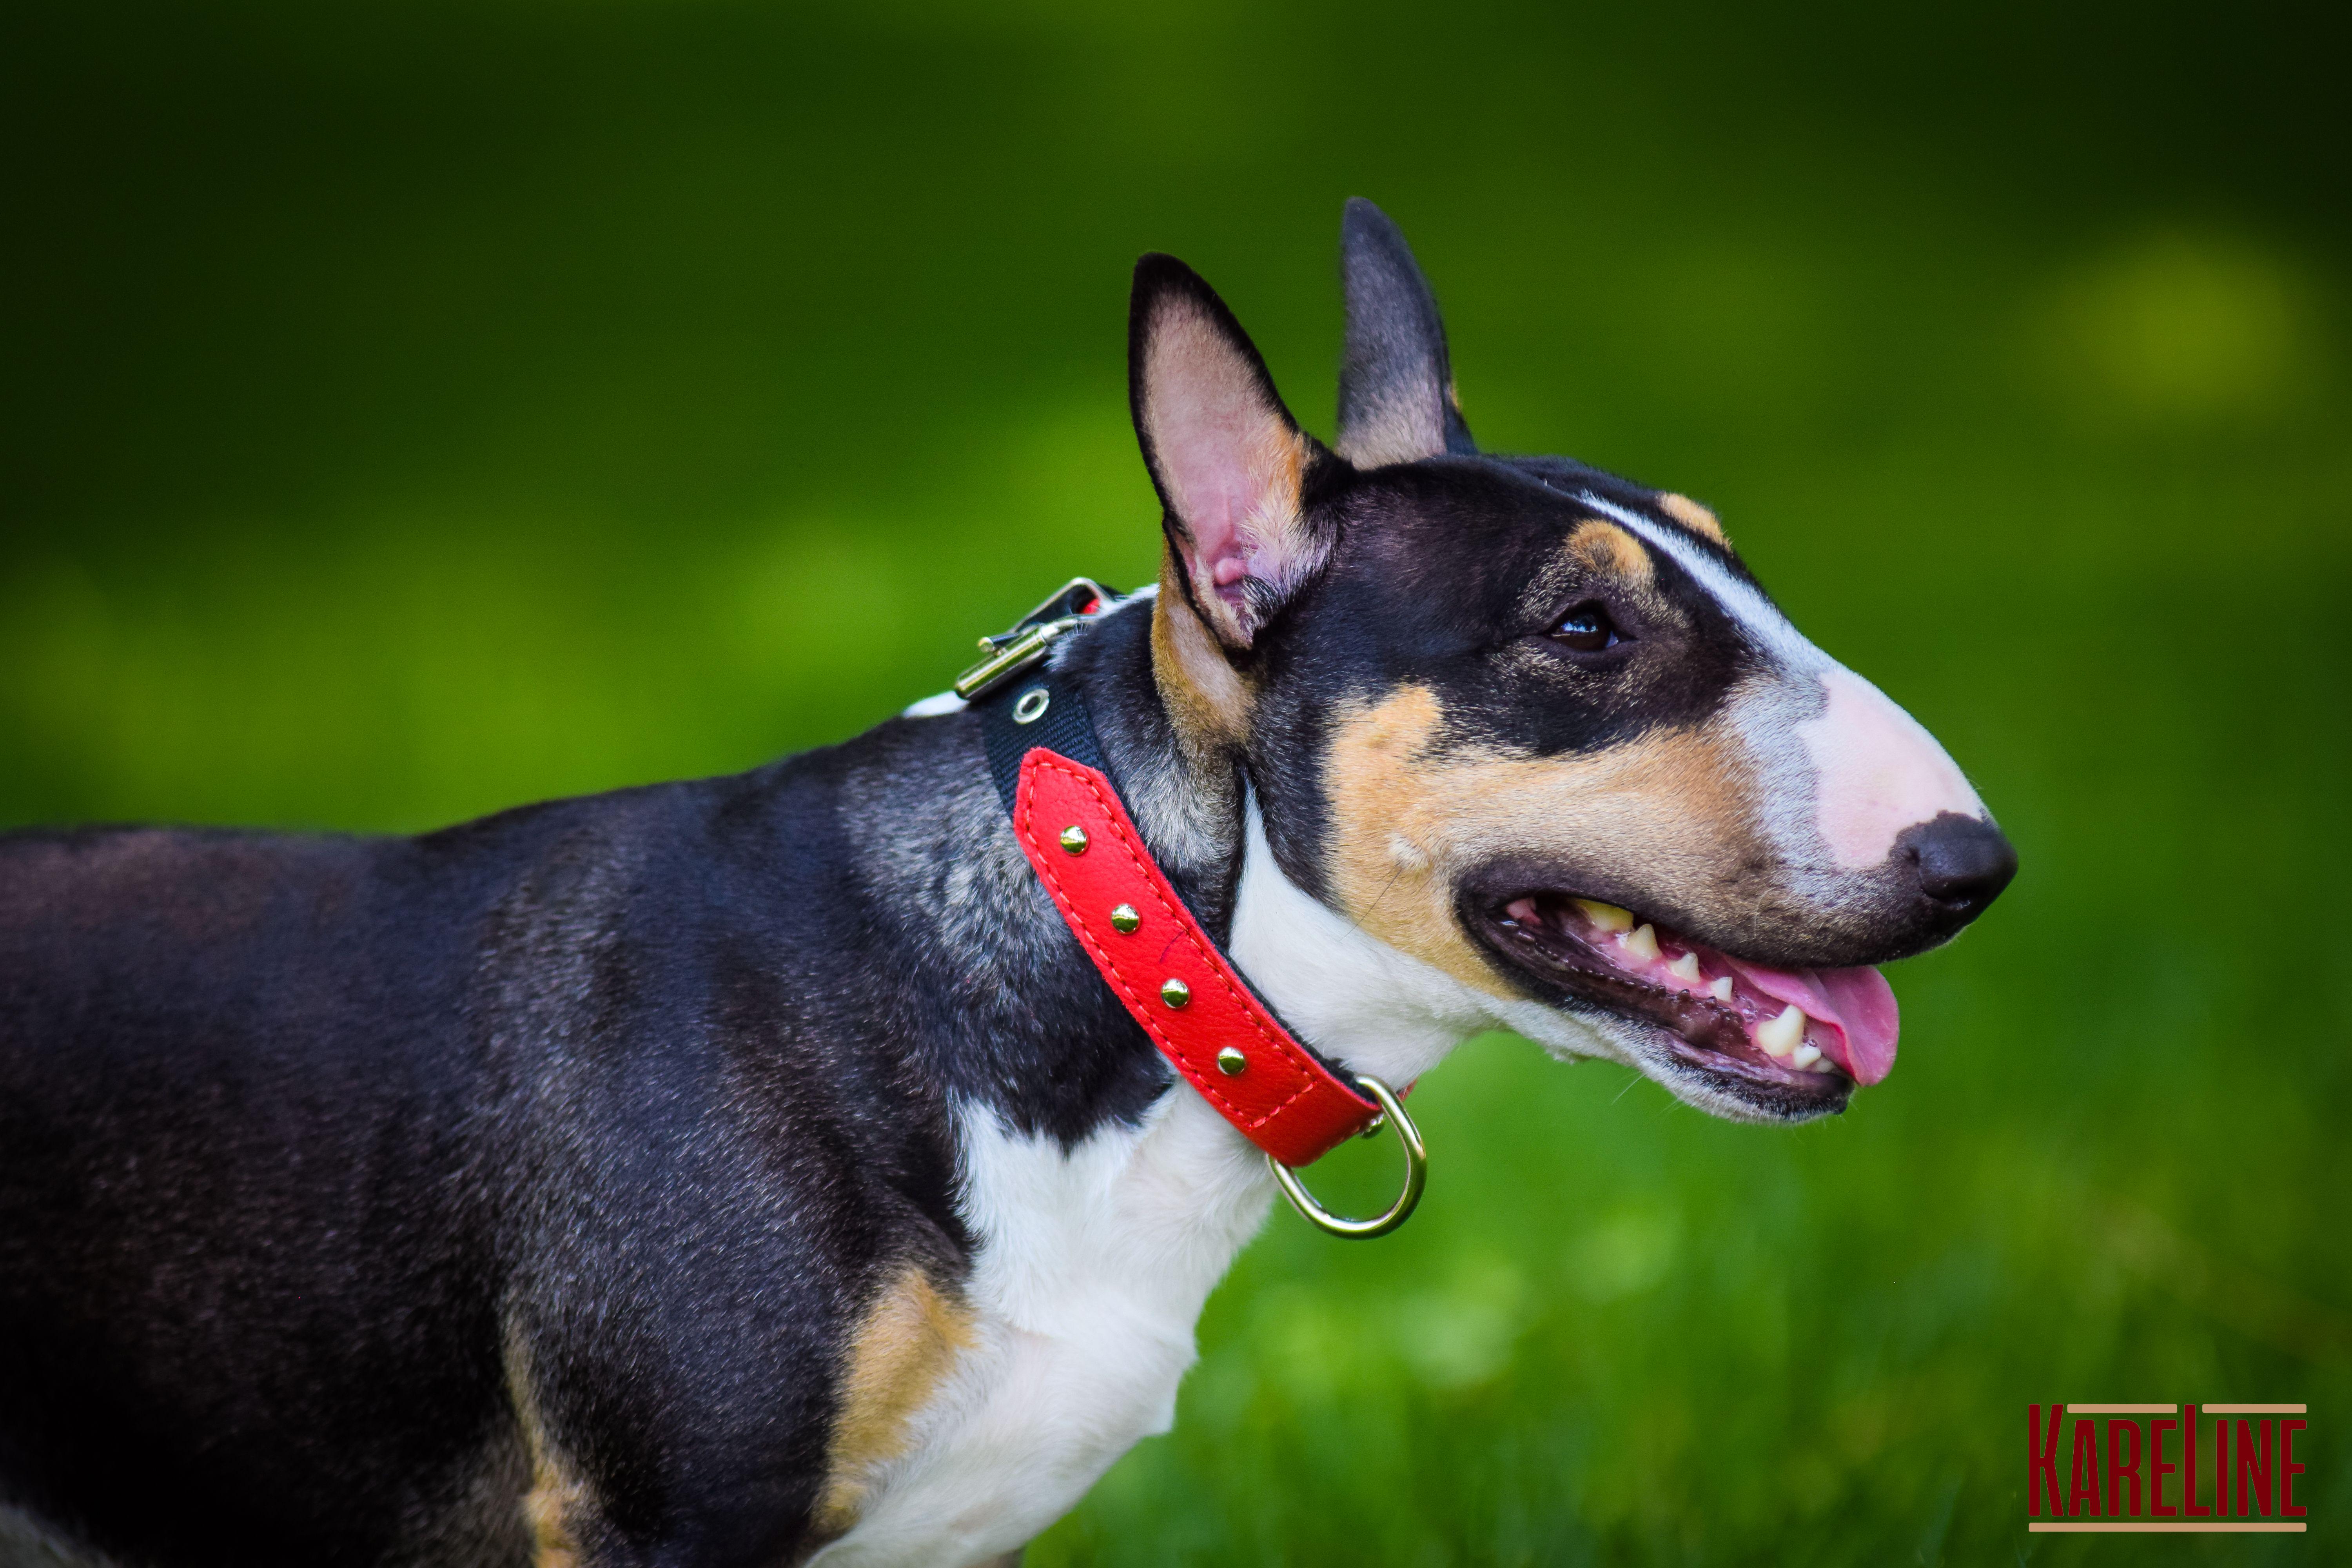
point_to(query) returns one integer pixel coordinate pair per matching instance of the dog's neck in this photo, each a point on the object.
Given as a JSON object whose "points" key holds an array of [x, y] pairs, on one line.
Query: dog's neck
{"points": [[1179, 770], [1102, 1215], [1358, 1000], [1170, 712]]}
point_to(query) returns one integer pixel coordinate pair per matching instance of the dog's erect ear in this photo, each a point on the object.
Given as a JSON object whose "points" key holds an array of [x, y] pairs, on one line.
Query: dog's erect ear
{"points": [[1396, 384], [1228, 461]]}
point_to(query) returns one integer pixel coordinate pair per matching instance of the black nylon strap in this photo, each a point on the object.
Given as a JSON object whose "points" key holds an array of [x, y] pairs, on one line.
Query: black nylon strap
{"points": [[1056, 718]]}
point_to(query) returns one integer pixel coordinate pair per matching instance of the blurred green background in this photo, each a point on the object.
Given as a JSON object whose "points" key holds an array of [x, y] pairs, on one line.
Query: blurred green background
{"points": [[414, 409]]}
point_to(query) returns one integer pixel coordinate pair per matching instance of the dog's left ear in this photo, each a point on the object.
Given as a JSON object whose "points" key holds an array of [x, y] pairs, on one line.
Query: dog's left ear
{"points": [[1230, 463], [1396, 382]]}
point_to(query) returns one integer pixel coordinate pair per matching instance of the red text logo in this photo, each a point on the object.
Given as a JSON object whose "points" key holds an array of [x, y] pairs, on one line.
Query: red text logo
{"points": [[2158, 1469]]}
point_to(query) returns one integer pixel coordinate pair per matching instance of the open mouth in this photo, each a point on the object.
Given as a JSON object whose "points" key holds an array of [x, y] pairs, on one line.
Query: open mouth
{"points": [[1808, 1035]]}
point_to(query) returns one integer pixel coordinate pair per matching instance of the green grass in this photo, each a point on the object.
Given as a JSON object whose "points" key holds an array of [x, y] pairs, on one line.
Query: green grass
{"points": [[410, 411]]}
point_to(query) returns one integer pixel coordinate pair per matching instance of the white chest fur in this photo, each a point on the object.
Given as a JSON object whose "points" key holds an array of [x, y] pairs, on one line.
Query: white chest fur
{"points": [[1090, 1272], [1091, 1267]]}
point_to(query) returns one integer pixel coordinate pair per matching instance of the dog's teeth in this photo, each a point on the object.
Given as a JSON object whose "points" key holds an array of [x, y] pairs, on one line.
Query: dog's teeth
{"points": [[1779, 1037], [1685, 968], [1642, 943], [1721, 986], [1607, 917], [1824, 1065], [1805, 1056]]}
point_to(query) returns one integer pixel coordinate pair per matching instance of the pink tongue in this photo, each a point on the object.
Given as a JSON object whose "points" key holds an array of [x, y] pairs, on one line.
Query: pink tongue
{"points": [[1854, 1007]]}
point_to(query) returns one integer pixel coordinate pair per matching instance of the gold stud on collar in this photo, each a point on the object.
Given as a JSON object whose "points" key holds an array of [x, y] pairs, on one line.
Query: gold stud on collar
{"points": [[1174, 991], [1124, 918], [1074, 839], [1232, 1062]]}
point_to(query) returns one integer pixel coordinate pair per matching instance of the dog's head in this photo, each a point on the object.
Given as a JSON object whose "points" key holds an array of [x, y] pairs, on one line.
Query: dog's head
{"points": [[1533, 725]]}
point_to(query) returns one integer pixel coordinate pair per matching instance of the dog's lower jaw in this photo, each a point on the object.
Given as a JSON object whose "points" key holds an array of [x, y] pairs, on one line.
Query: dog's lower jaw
{"points": [[1382, 1011]]}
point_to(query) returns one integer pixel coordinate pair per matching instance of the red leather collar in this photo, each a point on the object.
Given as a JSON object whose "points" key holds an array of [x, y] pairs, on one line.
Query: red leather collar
{"points": [[1169, 971]]}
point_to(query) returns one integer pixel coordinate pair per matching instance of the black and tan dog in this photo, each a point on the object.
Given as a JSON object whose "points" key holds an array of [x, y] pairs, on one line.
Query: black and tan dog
{"points": [[744, 1170]]}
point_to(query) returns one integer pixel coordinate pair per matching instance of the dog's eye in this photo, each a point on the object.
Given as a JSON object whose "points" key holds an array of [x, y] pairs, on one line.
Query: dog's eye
{"points": [[1588, 629]]}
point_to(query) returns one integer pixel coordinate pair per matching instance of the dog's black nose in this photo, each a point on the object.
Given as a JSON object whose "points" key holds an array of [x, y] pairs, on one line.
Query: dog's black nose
{"points": [[1964, 863]]}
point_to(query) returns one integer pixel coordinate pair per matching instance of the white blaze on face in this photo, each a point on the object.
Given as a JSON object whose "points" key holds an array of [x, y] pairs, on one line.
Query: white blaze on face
{"points": [[1875, 768], [1878, 771]]}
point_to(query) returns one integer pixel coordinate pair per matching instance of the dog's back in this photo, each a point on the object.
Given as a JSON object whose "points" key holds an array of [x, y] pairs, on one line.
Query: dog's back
{"points": [[315, 1152], [233, 1179]]}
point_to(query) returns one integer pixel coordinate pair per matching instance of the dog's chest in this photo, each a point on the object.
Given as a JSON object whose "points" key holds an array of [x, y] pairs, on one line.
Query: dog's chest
{"points": [[1089, 1276], [1092, 1267]]}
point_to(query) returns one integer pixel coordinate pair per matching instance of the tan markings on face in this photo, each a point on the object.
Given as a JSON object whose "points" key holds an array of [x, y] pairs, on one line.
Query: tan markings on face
{"points": [[557, 1494], [903, 1351], [1668, 812], [1693, 516], [1207, 699], [1605, 548]]}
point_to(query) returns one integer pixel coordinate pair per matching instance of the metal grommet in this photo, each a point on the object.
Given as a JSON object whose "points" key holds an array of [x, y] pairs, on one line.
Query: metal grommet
{"points": [[1232, 1062], [1416, 1174], [1074, 839], [1123, 918], [1032, 705], [1174, 991]]}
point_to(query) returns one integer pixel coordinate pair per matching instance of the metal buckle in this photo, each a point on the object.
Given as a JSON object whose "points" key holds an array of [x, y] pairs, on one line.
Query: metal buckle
{"points": [[1031, 637], [1417, 1173]]}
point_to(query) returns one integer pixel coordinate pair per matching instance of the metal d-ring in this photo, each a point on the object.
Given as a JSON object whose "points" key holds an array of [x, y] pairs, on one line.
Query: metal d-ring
{"points": [[1416, 1174]]}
